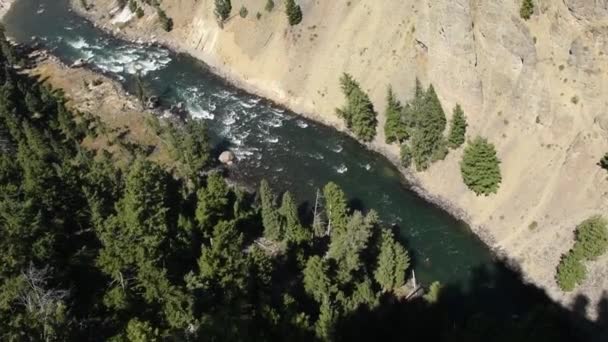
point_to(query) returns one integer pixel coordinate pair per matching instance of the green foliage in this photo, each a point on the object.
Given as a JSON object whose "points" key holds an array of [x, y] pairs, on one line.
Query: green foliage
{"points": [[223, 9], [570, 272], [189, 145], [406, 156], [432, 295], [294, 231], [428, 144], [591, 238], [139, 12], [316, 279], [273, 229], [269, 5], [458, 128], [336, 207], [393, 262], [527, 9], [480, 167], [293, 11], [243, 12], [212, 201], [395, 129], [591, 242], [165, 22], [359, 111]]}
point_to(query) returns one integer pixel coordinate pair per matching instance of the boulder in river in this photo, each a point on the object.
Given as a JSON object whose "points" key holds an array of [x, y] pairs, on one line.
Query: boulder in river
{"points": [[152, 102], [227, 158]]}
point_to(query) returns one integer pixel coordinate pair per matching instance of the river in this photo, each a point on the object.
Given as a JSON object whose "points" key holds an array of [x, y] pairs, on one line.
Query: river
{"points": [[272, 143]]}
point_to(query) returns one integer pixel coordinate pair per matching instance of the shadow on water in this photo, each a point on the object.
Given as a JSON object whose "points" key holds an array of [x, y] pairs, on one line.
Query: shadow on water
{"points": [[497, 306]]}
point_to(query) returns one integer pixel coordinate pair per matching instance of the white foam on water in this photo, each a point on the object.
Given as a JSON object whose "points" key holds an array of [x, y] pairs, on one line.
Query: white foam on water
{"points": [[230, 119], [78, 44], [272, 140], [341, 169], [367, 167], [199, 113], [274, 123], [317, 156], [337, 148], [246, 104], [301, 124]]}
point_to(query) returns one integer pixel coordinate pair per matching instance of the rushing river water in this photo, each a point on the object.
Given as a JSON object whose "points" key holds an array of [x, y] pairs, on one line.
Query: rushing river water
{"points": [[272, 143]]}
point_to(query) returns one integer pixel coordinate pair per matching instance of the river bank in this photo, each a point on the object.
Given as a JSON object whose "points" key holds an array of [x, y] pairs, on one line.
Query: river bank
{"points": [[528, 198]]}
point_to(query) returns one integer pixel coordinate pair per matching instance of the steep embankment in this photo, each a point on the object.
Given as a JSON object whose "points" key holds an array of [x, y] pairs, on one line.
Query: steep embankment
{"points": [[532, 88]]}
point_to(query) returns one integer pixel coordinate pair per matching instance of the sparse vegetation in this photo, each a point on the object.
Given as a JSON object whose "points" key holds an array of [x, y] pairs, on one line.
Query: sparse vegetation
{"points": [[223, 9], [165, 22], [243, 12], [527, 9], [269, 5], [480, 167], [604, 162], [293, 11], [358, 113]]}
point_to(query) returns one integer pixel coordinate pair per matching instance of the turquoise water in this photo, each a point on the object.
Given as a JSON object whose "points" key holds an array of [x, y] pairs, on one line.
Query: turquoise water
{"points": [[273, 143]]}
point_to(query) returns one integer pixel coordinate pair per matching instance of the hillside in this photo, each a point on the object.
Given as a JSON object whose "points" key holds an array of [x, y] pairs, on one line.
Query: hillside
{"points": [[533, 88]]}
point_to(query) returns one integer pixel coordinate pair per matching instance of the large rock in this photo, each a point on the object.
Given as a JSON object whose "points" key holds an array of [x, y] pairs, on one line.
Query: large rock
{"points": [[227, 158]]}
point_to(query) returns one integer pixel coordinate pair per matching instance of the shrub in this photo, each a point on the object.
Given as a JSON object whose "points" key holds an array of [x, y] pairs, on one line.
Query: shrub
{"points": [[258, 16], [243, 12], [293, 11], [527, 9], [269, 5], [570, 272], [591, 238], [223, 9], [139, 12], [132, 6], [480, 167], [604, 162]]}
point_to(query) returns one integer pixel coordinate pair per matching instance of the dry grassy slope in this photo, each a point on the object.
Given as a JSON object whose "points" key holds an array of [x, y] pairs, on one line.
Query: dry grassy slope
{"points": [[516, 80]]}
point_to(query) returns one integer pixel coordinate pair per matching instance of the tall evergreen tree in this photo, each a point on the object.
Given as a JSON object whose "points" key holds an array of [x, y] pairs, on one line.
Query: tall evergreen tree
{"points": [[212, 202], [393, 262], [294, 231], [336, 207], [359, 112], [428, 143], [395, 128], [270, 216], [458, 128]]}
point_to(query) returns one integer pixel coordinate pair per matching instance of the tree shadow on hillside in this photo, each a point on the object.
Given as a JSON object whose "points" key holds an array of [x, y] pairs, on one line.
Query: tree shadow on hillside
{"points": [[496, 306]]}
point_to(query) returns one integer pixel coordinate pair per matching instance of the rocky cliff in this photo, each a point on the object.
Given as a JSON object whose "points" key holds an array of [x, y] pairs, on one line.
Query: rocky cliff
{"points": [[534, 88]]}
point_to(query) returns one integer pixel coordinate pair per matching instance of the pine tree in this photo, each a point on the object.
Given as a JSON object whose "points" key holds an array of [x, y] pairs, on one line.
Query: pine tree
{"points": [[395, 129], [293, 11], [458, 128], [570, 272], [428, 143], [336, 207], [270, 215], [223, 9], [294, 231], [359, 113], [212, 201], [591, 238], [393, 262], [316, 279], [480, 167], [346, 247], [432, 296]]}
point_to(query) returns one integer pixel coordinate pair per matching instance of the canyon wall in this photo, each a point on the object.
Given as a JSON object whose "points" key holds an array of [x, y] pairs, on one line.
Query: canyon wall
{"points": [[534, 88]]}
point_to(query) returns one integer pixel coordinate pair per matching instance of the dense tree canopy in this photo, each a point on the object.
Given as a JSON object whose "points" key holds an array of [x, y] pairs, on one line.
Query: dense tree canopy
{"points": [[105, 244]]}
